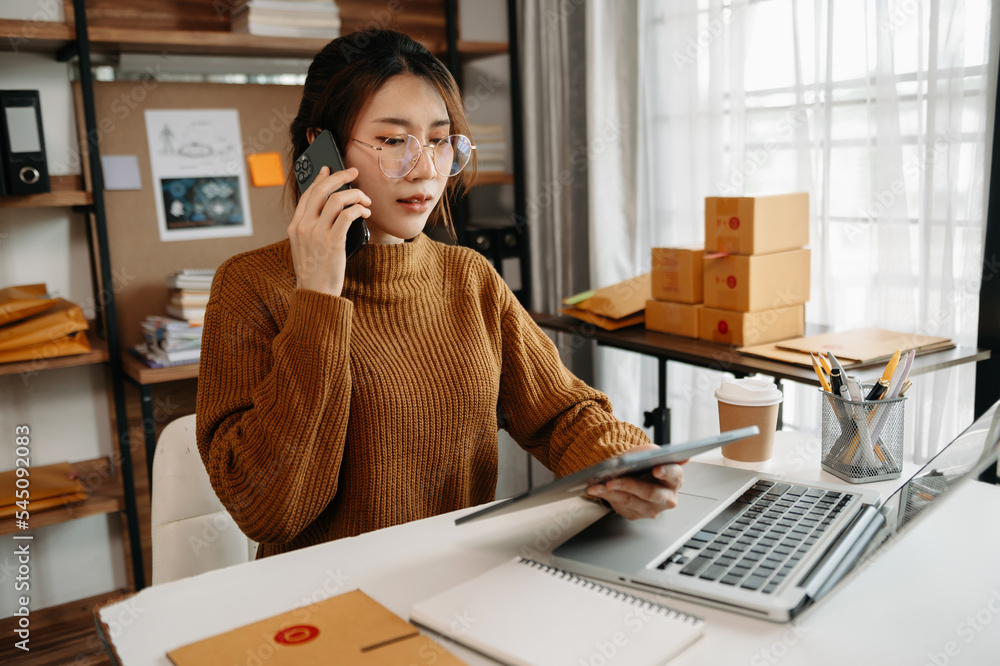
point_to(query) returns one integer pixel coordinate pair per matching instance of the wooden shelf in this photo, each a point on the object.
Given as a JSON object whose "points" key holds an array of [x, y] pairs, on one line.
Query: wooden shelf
{"points": [[473, 50], [34, 36], [493, 178], [201, 42], [98, 354], [66, 191], [63, 634], [143, 374], [105, 496]]}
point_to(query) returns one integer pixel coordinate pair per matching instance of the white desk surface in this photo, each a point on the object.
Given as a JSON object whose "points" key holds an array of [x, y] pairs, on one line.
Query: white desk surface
{"points": [[933, 597]]}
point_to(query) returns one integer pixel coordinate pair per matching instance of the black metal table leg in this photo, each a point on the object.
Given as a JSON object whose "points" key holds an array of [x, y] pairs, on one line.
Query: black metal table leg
{"points": [[659, 417], [148, 428]]}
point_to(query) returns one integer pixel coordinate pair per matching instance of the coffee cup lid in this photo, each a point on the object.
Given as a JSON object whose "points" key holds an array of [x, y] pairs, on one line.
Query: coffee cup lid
{"points": [[748, 392]]}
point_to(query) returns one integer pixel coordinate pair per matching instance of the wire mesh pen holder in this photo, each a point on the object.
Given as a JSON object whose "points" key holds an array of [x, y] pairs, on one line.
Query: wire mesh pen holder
{"points": [[862, 440]]}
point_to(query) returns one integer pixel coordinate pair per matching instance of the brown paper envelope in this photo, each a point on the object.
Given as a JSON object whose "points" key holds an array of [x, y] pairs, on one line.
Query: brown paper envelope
{"points": [[58, 321], [607, 323], [74, 343], [48, 482], [17, 303], [622, 299], [37, 506], [350, 628]]}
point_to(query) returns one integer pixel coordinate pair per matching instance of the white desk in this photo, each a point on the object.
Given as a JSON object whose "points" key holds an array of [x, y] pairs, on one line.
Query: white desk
{"points": [[933, 598]]}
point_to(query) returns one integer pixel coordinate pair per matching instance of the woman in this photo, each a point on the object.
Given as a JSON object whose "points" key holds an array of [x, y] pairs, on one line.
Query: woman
{"points": [[340, 396]]}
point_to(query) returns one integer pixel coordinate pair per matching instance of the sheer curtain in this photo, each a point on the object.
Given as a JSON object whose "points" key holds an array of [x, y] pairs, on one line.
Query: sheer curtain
{"points": [[880, 109]]}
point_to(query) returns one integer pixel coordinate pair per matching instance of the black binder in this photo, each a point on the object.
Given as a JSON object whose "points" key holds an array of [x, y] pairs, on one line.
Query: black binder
{"points": [[22, 147]]}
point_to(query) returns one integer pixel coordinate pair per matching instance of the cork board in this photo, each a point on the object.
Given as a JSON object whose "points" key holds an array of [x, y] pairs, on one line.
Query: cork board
{"points": [[140, 261]]}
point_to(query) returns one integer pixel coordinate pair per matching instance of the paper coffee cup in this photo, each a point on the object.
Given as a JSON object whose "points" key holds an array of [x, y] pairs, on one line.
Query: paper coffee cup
{"points": [[747, 402]]}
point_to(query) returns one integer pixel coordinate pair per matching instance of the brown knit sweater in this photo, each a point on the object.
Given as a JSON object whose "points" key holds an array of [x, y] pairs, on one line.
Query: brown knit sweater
{"points": [[321, 417]]}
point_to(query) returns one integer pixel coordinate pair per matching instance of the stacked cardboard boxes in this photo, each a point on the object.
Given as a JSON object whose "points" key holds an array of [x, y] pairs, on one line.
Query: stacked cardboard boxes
{"points": [[756, 270], [750, 283], [676, 290]]}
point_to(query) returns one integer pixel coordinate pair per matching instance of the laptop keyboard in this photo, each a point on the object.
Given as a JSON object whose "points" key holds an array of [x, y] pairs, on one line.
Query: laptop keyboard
{"points": [[755, 541]]}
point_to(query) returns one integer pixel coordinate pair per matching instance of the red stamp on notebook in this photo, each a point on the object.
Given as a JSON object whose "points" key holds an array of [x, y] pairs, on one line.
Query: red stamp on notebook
{"points": [[734, 223], [731, 282], [300, 633]]}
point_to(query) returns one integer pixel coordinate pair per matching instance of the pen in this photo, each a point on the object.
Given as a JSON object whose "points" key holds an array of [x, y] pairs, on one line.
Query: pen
{"points": [[906, 386], [890, 367], [836, 381], [878, 391], [854, 388], [901, 375], [835, 364], [819, 373]]}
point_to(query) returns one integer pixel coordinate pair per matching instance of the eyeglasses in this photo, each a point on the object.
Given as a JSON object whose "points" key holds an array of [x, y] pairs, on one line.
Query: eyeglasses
{"points": [[400, 153]]}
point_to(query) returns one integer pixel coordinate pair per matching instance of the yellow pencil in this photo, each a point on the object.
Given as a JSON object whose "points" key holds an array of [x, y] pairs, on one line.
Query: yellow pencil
{"points": [[819, 373], [825, 363]]}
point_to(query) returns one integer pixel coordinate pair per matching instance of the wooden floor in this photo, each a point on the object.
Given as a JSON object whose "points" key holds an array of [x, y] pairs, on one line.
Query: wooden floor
{"points": [[66, 635]]}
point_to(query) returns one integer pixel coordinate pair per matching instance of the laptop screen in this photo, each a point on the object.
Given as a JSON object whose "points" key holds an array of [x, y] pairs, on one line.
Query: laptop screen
{"points": [[967, 456]]}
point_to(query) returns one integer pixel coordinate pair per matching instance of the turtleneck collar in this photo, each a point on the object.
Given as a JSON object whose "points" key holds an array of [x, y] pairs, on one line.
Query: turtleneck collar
{"points": [[390, 264]]}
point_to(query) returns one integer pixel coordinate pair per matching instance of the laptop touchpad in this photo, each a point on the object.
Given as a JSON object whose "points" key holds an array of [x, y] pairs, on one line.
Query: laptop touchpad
{"points": [[628, 545]]}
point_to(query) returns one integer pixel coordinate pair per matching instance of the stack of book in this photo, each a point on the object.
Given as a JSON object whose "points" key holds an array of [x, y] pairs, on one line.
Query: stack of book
{"points": [[168, 342], [188, 291], [491, 147], [288, 18]]}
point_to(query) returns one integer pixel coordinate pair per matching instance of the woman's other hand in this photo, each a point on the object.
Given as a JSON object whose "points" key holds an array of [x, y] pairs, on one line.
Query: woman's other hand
{"points": [[638, 498]]}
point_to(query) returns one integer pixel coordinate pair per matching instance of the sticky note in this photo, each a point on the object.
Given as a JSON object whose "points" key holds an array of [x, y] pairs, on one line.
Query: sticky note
{"points": [[121, 172], [266, 169]]}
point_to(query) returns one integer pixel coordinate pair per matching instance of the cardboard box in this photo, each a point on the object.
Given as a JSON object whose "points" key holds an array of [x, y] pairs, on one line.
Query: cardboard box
{"points": [[744, 329], [673, 318], [677, 274], [758, 282], [756, 225]]}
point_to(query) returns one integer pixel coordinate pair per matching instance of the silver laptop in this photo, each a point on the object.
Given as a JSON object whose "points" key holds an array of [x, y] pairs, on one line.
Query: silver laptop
{"points": [[762, 545]]}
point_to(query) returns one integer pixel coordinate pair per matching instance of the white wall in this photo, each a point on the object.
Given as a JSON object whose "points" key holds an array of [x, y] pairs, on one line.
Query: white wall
{"points": [[67, 410]]}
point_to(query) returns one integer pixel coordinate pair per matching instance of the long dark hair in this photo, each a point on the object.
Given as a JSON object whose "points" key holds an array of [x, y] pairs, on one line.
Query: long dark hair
{"points": [[345, 75]]}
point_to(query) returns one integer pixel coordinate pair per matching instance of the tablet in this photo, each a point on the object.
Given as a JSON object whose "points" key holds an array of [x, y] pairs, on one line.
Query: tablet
{"points": [[635, 463]]}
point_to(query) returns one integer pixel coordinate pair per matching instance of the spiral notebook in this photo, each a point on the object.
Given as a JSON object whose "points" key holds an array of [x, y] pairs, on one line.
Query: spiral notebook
{"points": [[532, 614]]}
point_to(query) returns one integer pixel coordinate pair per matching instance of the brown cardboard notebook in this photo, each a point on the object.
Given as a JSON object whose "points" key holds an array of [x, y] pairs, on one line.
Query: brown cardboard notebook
{"points": [[350, 628], [864, 345], [777, 352], [49, 486]]}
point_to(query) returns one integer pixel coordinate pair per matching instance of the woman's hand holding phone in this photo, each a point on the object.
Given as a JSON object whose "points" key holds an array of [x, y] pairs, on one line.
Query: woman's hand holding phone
{"points": [[318, 230]]}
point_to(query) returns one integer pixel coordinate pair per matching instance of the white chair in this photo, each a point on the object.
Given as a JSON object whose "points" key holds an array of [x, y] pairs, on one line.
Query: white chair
{"points": [[192, 531]]}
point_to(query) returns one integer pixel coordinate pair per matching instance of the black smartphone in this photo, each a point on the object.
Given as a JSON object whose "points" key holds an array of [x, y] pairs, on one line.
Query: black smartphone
{"points": [[322, 152]]}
